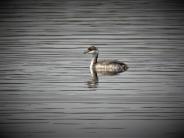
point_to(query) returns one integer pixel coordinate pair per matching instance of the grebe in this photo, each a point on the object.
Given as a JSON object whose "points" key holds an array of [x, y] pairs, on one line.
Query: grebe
{"points": [[113, 66]]}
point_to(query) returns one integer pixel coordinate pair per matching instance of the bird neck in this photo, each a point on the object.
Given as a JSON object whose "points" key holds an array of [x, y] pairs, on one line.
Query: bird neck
{"points": [[93, 61]]}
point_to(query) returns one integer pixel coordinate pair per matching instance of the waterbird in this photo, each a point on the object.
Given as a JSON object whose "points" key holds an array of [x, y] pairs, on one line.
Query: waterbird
{"points": [[104, 66]]}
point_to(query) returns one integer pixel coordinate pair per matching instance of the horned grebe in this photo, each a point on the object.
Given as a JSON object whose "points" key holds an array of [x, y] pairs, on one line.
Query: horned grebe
{"points": [[113, 66]]}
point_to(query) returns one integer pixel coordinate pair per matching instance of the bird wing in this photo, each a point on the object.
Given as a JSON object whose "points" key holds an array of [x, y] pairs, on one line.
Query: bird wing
{"points": [[107, 62]]}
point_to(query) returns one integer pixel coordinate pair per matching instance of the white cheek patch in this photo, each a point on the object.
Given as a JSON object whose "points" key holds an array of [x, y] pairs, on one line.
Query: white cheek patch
{"points": [[91, 52]]}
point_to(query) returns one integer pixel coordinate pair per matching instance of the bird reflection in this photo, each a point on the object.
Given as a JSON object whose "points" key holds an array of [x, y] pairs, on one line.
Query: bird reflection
{"points": [[94, 80]]}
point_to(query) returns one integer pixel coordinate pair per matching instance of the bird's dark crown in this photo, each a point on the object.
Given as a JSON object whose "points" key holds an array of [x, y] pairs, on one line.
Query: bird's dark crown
{"points": [[92, 48]]}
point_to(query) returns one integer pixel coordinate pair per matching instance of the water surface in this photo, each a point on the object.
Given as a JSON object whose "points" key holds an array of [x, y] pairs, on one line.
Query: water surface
{"points": [[45, 88]]}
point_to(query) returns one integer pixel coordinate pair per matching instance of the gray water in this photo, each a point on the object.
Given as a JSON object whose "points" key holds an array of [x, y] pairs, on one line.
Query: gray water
{"points": [[46, 89]]}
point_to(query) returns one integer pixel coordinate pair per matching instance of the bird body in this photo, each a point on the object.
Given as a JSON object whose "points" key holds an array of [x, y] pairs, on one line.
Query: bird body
{"points": [[104, 65], [110, 66]]}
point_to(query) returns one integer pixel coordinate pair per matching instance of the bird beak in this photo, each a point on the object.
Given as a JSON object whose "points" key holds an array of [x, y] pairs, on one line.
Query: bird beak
{"points": [[85, 52]]}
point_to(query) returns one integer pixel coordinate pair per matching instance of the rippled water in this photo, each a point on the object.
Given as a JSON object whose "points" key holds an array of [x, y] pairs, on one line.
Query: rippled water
{"points": [[46, 89]]}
